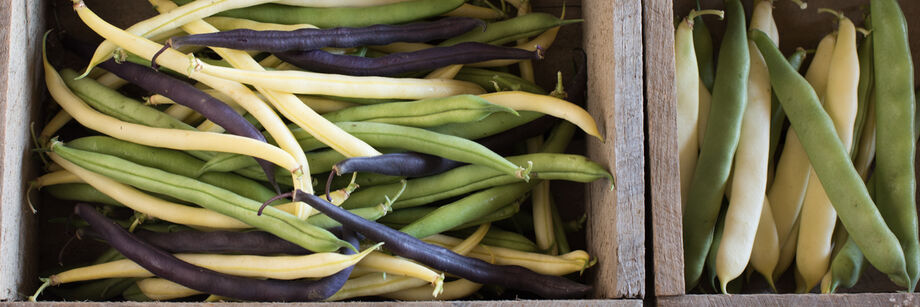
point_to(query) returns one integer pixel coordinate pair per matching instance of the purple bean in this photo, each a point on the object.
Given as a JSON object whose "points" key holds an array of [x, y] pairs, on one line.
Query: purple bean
{"points": [[220, 242], [396, 63], [308, 39], [443, 259], [403, 164], [184, 94], [167, 266]]}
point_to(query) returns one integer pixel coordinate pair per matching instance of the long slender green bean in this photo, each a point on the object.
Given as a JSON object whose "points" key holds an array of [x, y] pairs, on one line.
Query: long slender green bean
{"points": [[273, 220], [173, 161], [422, 113], [702, 44], [467, 209], [894, 111], [470, 178], [328, 17], [729, 99], [511, 30], [832, 164]]}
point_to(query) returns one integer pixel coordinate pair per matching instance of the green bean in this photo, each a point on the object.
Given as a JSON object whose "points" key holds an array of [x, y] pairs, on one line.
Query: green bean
{"points": [[470, 178], [491, 125], [175, 162], [80, 192], [273, 220], [562, 241], [729, 99], [115, 104], [493, 81], [467, 209], [894, 111], [328, 17], [112, 103], [702, 44], [831, 162], [865, 89], [714, 247], [369, 213], [404, 217], [422, 113], [99, 290], [419, 140], [500, 238], [511, 30]]}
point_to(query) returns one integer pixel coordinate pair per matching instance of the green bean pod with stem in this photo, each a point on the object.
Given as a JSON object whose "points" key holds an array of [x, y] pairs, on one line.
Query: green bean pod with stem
{"points": [[722, 133]]}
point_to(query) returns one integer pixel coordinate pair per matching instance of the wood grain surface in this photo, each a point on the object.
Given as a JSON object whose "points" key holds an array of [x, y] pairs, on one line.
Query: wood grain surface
{"points": [[21, 23], [613, 42], [664, 174]]}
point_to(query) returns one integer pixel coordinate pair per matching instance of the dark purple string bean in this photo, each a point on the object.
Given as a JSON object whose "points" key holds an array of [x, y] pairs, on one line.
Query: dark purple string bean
{"points": [[443, 259], [220, 242], [165, 265], [309, 39], [396, 63]]}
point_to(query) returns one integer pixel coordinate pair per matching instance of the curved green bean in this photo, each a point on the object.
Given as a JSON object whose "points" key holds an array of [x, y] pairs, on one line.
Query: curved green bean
{"points": [[831, 162], [491, 125], [175, 162], [421, 113], [81, 192], [465, 179], [467, 209], [511, 30], [702, 44], [729, 99], [419, 140], [494, 81], [328, 17], [273, 220]]}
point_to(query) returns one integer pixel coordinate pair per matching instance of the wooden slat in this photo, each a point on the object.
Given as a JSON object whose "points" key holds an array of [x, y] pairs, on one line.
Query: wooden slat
{"points": [[613, 42], [21, 23], [792, 300], [664, 173]]}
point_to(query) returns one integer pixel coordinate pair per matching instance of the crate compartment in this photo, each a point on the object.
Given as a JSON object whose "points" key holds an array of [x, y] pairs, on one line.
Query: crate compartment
{"points": [[610, 36]]}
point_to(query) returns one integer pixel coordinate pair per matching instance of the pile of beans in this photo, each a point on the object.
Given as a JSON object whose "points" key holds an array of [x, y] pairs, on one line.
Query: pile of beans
{"points": [[297, 151]]}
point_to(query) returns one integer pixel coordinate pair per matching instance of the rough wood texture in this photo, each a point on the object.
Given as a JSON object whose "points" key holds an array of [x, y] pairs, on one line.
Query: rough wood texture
{"points": [[616, 224], [610, 303], [20, 29], [664, 176], [792, 300]]}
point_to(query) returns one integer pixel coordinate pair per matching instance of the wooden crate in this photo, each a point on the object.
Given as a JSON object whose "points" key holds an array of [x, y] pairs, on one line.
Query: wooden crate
{"points": [[796, 28], [611, 38]]}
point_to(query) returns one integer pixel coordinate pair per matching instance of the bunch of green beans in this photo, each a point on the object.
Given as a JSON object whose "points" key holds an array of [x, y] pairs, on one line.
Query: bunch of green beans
{"points": [[178, 172], [840, 184]]}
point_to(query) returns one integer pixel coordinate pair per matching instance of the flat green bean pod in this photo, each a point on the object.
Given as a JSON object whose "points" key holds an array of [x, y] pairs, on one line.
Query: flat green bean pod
{"points": [[421, 113], [491, 125], [328, 17], [831, 162], [174, 161], [273, 220], [511, 30], [470, 178], [467, 209], [419, 140], [81, 192], [493, 81]]}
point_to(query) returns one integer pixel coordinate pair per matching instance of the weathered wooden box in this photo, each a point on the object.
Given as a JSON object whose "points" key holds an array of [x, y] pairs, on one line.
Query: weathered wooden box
{"points": [[611, 36], [796, 28]]}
